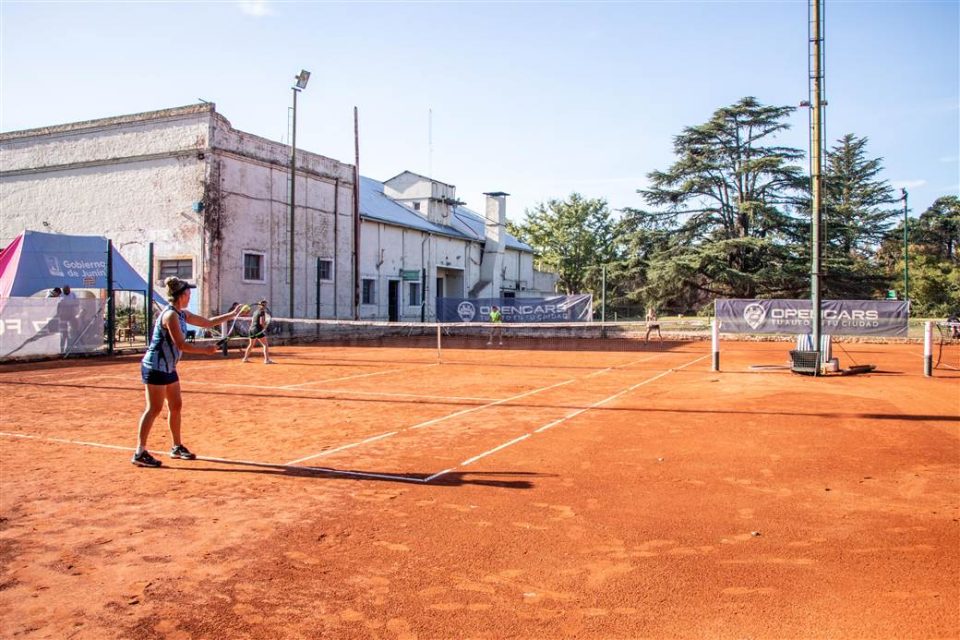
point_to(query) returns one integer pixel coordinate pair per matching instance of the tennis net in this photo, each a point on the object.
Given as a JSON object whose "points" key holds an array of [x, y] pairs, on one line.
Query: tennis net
{"points": [[946, 346], [573, 336]]}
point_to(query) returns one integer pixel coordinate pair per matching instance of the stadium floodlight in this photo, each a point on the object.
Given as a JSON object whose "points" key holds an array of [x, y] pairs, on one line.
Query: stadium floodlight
{"points": [[302, 79]]}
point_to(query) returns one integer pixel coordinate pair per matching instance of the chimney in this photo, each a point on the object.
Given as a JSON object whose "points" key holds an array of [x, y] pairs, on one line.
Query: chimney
{"points": [[495, 225]]}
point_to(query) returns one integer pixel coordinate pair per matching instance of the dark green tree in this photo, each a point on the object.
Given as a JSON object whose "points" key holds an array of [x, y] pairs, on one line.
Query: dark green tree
{"points": [[571, 238], [856, 216], [731, 191], [938, 229], [858, 206], [934, 260]]}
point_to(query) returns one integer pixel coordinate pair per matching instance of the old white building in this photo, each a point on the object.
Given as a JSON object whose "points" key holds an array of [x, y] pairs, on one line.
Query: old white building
{"points": [[214, 201]]}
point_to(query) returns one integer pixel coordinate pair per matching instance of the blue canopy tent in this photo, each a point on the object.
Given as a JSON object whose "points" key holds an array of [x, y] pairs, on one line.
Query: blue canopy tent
{"points": [[37, 261]]}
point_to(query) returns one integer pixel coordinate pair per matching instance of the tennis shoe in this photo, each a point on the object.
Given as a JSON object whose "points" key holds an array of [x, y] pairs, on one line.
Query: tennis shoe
{"points": [[269, 362], [144, 459], [182, 452]]}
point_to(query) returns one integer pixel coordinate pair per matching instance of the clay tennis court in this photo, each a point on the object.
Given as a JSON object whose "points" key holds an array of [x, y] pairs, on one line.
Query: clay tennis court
{"points": [[505, 493]]}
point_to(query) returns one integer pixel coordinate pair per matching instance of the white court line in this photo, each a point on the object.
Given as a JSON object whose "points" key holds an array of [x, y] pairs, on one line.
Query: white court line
{"points": [[434, 421], [204, 383], [346, 446], [380, 476], [42, 377], [63, 441], [564, 419], [490, 404], [270, 465], [472, 409], [503, 446]]}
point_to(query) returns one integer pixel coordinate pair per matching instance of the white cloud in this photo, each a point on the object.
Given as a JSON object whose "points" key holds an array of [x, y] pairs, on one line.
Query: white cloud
{"points": [[908, 184], [256, 8]]}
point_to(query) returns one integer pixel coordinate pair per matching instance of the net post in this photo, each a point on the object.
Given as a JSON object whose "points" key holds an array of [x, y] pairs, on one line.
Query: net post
{"points": [[715, 341], [439, 361], [928, 349]]}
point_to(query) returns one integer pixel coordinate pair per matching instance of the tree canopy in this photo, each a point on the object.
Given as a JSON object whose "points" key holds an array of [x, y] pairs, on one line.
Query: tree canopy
{"points": [[730, 217]]}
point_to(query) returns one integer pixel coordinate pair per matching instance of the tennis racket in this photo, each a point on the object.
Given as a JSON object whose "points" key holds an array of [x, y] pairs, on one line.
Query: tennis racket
{"points": [[222, 342]]}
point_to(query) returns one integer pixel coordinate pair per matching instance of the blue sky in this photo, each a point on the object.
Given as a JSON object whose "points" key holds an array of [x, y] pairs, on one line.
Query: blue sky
{"points": [[538, 99]]}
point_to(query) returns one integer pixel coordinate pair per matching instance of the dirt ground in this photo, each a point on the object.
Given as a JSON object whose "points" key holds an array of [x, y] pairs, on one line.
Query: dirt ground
{"points": [[372, 493]]}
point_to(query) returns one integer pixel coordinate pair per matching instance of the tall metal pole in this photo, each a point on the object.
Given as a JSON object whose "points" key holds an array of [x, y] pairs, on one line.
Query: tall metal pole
{"points": [[148, 316], [356, 214], [816, 163], [906, 249], [603, 294], [293, 194], [111, 310]]}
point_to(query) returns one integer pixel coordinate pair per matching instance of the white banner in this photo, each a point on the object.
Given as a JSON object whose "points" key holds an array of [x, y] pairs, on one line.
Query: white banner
{"points": [[50, 326]]}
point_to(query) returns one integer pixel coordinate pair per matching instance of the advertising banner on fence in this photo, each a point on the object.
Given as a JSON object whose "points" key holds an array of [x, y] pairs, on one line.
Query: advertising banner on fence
{"points": [[839, 317], [50, 326], [575, 308]]}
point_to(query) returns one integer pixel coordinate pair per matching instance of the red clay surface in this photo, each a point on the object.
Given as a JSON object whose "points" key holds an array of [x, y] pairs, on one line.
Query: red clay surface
{"points": [[622, 495]]}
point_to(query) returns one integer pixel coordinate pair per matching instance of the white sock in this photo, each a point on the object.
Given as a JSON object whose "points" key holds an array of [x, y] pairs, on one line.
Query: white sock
{"points": [[139, 450]]}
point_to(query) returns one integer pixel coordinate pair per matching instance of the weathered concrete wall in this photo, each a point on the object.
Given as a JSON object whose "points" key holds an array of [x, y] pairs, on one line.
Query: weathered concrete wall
{"points": [[135, 179], [255, 188], [385, 250]]}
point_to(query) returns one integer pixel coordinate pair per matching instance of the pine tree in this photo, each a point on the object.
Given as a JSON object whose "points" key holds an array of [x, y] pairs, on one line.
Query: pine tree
{"points": [[730, 192]]}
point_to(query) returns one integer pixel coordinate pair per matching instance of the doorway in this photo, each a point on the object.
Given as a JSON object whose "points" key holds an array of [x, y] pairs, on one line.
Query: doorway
{"points": [[393, 300]]}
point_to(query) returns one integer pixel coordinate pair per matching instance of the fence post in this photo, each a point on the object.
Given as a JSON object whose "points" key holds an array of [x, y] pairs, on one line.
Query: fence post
{"points": [[715, 340], [111, 312]]}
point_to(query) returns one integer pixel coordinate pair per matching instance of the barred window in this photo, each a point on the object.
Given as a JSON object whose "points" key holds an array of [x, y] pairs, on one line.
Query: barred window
{"points": [[369, 291], [181, 268], [253, 267]]}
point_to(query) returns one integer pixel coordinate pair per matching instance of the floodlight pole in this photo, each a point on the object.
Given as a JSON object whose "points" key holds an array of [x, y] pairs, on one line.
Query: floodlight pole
{"points": [[293, 193], [906, 249], [301, 84], [816, 163]]}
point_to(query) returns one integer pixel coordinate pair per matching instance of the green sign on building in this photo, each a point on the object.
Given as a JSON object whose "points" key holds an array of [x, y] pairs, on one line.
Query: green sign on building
{"points": [[410, 274]]}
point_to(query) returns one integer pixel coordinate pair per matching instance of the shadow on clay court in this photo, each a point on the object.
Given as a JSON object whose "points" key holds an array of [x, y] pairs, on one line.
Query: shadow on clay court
{"points": [[495, 479]]}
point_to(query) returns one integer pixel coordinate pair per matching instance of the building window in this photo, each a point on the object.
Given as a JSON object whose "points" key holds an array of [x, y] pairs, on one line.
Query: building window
{"points": [[369, 295], [509, 294], [413, 294], [325, 270], [253, 267], [416, 206], [182, 269]]}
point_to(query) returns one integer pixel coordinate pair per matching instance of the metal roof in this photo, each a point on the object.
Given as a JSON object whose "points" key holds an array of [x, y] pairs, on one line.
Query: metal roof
{"points": [[464, 223]]}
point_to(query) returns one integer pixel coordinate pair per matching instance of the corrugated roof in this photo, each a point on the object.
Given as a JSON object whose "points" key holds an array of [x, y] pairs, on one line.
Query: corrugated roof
{"points": [[464, 223]]}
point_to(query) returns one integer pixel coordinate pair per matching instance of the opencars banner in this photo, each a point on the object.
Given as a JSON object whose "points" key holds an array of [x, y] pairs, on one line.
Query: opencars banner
{"points": [[838, 317], [575, 308]]}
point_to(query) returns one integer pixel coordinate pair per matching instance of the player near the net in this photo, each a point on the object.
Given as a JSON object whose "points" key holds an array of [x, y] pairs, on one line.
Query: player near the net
{"points": [[496, 331], [652, 323], [158, 368], [258, 332]]}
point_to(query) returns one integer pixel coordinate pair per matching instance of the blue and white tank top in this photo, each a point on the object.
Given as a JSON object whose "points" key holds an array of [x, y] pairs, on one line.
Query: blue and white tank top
{"points": [[162, 354]]}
